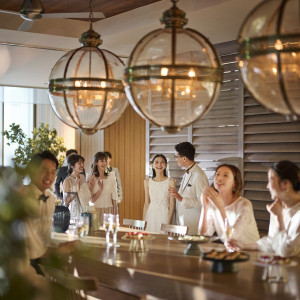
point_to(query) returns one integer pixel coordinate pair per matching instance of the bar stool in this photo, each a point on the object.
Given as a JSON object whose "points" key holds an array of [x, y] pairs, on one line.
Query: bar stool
{"points": [[174, 230], [135, 224]]}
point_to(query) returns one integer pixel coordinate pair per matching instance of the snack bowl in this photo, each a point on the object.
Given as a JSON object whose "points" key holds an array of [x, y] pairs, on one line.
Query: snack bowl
{"points": [[274, 267], [225, 262], [193, 242], [137, 241]]}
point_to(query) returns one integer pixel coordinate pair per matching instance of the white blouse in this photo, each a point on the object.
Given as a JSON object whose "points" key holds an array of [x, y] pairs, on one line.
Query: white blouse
{"points": [[108, 194], [240, 217], [286, 242]]}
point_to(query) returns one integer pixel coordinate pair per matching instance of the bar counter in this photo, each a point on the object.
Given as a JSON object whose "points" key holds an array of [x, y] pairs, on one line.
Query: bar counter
{"points": [[165, 272]]}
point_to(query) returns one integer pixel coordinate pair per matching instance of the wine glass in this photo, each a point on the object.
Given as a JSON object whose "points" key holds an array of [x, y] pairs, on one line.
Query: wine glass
{"points": [[114, 229], [107, 225]]}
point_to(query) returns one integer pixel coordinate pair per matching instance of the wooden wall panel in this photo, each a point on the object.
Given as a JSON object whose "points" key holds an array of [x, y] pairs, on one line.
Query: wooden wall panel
{"points": [[125, 140]]}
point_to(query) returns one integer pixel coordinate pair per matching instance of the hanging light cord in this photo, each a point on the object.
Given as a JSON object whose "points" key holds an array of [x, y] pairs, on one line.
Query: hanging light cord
{"points": [[91, 13]]}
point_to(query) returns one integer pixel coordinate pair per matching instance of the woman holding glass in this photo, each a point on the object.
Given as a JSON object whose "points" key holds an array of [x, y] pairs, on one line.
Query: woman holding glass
{"points": [[76, 192], [159, 206], [103, 187], [284, 229], [224, 210]]}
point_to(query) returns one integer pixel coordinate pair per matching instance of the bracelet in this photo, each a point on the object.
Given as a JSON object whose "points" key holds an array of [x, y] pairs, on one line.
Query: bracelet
{"points": [[91, 203]]}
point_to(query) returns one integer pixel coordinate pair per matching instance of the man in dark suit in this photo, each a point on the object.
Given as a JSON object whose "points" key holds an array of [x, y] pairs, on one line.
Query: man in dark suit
{"points": [[61, 174]]}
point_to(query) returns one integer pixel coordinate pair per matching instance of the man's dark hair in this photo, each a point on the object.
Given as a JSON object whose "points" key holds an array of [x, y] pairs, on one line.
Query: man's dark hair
{"points": [[71, 151], [186, 149], [108, 154], [37, 159]]}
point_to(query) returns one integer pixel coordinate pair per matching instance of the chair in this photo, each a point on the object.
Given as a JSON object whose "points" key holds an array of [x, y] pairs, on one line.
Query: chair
{"points": [[67, 286], [174, 230], [135, 224]]}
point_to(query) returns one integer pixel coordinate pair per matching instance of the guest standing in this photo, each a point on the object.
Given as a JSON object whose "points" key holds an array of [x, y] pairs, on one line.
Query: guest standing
{"points": [[159, 206], [117, 174], [188, 204], [76, 191], [224, 211], [103, 186], [284, 229], [62, 173]]}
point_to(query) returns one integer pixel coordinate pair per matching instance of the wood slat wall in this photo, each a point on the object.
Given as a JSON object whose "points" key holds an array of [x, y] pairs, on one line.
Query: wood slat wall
{"points": [[126, 140]]}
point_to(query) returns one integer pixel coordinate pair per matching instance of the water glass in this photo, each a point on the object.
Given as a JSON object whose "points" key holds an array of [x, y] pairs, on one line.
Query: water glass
{"points": [[115, 227], [83, 225], [107, 225]]}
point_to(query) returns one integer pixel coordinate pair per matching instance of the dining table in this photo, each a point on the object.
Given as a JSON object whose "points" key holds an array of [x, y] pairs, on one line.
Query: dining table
{"points": [[163, 271]]}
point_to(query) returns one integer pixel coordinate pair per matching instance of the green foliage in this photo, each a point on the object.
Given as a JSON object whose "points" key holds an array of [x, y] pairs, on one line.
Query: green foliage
{"points": [[14, 209], [42, 139]]}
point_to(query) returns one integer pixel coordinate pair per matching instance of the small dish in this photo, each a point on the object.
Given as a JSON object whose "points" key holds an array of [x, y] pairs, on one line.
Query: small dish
{"points": [[274, 268], [225, 262], [137, 241], [193, 241]]}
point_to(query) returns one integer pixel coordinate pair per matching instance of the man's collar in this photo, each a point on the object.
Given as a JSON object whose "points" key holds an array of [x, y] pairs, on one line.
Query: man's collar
{"points": [[189, 168]]}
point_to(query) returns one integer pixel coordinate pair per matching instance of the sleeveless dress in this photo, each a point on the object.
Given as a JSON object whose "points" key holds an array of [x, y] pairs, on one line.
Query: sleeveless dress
{"points": [[158, 209], [82, 198]]}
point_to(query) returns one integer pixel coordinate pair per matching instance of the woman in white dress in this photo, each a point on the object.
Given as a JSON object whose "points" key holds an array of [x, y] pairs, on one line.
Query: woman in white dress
{"points": [[224, 210], [284, 229], [103, 186], [76, 192], [159, 206]]}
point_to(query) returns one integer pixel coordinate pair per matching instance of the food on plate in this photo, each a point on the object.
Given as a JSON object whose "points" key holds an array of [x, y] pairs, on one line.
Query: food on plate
{"points": [[193, 238], [137, 235], [224, 255], [273, 260]]}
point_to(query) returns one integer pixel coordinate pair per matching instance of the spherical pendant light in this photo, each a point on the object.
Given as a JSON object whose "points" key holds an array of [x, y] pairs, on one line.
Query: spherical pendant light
{"points": [[173, 75], [85, 86], [270, 55]]}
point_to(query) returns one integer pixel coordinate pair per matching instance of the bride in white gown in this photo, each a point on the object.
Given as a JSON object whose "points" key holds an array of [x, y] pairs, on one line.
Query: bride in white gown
{"points": [[159, 206]]}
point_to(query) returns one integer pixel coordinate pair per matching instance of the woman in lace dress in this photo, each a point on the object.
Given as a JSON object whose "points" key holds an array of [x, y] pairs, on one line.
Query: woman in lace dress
{"points": [[103, 187], [222, 203], [284, 229], [76, 192], [159, 207]]}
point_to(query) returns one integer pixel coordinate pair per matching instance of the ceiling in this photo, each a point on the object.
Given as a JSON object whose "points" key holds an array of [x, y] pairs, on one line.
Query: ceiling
{"points": [[27, 57], [110, 8]]}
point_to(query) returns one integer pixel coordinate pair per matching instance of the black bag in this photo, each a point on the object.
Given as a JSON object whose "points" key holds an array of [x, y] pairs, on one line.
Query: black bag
{"points": [[61, 219]]}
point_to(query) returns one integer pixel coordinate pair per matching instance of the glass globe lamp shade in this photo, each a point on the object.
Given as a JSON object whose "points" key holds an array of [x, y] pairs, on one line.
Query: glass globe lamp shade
{"points": [[269, 42], [85, 86], [173, 75]]}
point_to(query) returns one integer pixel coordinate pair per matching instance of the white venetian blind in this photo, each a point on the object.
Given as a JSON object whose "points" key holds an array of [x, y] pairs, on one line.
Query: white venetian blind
{"points": [[268, 138]]}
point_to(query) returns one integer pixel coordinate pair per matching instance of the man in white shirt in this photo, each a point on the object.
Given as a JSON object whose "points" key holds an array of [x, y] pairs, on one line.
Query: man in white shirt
{"points": [[42, 171], [188, 204]]}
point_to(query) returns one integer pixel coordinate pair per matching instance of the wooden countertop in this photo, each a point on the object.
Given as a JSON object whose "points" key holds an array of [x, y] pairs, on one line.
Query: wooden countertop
{"points": [[165, 272]]}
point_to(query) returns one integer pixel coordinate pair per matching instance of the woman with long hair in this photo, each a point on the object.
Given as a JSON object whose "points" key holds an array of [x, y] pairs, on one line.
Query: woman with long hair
{"points": [[284, 229], [224, 210], [159, 206], [76, 192], [103, 187]]}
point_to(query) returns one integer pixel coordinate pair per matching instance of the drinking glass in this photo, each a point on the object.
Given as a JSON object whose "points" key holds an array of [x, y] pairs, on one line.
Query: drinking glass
{"points": [[107, 225], [115, 227], [228, 231], [83, 225]]}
